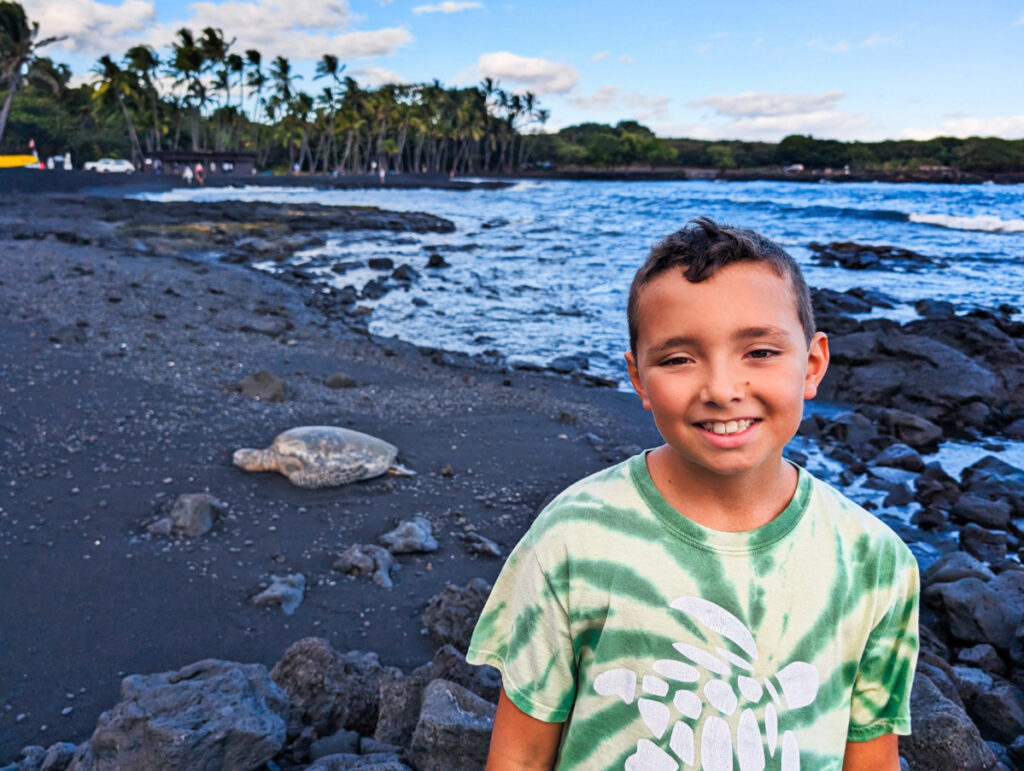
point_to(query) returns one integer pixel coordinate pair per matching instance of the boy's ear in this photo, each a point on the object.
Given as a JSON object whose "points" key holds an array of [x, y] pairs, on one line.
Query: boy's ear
{"points": [[634, 378], [817, 364]]}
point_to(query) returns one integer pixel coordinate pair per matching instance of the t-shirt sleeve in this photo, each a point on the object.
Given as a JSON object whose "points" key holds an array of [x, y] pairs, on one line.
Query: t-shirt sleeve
{"points": [[881, 688], [524, 632]]}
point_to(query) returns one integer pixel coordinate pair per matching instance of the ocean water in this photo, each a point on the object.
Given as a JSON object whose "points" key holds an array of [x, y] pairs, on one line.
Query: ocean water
{"points": [[541, 269]]}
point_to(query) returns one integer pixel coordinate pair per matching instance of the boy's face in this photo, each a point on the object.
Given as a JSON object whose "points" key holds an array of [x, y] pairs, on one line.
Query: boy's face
{"points": [[724, 367]]}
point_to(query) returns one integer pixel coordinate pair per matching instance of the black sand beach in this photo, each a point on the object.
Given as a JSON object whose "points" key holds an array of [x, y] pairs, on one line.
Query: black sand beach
{"points": [[129, 327], [119, 370]]}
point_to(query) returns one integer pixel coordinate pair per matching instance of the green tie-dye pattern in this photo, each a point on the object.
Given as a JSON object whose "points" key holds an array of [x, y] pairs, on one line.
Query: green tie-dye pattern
{"points": [[588, 592]]}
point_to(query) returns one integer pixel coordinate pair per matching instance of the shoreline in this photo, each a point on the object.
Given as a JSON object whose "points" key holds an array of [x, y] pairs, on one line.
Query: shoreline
{"points": [[94, 183], [122, 365]]}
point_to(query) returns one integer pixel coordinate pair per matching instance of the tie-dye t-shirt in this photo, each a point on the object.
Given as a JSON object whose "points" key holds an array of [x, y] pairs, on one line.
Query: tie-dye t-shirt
{"points": [[668, 645]]}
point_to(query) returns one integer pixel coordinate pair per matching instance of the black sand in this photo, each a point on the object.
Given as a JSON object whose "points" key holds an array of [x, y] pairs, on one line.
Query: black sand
{"points": [[118, 372]]}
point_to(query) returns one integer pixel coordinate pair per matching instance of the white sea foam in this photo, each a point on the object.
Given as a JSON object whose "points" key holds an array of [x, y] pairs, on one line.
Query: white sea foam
{"points": [[986, 223]]}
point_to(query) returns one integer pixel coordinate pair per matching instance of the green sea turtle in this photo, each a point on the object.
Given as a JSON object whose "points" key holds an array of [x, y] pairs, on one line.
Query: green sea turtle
{"points": [[322, 456]]}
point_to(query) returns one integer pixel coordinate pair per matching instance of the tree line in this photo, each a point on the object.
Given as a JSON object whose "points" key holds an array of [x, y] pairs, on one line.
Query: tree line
{"points": [[597, 145], [204, 95]]}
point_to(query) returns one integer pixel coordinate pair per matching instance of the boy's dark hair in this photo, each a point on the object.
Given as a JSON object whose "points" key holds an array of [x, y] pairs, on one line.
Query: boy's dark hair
{"points": [[701, 249]]}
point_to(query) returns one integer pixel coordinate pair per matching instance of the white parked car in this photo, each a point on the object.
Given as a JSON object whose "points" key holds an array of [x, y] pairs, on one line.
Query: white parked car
{"points": [[111, 165]]}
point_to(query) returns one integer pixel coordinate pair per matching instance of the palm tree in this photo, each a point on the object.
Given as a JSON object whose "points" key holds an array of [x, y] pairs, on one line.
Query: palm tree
{"points": [[328, 67], [116, 86], [18, 51], [143, 62], [187, 61], [281, 74]]}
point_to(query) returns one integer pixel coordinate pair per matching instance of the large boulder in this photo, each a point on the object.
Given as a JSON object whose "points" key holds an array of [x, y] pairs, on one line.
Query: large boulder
{"points": [[209, 715], [450, 664], [995, 480], [982, 612], [910, 372], [996, 705], [943, 738], [330, 690], [401, 699], [453, 731], [451, 615]]}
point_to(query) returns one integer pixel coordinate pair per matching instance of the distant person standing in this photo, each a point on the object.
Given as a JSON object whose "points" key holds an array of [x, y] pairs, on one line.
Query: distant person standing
{"points": [[187, 175], [200, 174], [382, 173], [67, 162]]}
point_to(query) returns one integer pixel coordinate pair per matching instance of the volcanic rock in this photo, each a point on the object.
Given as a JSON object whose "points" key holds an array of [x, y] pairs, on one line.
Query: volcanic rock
{"points": [[330, 690], [211, 714], [453, 731], [452, 614]]}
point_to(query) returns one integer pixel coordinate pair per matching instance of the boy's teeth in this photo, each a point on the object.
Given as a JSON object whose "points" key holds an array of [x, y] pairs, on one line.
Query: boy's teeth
{"points": [[731, 427]]}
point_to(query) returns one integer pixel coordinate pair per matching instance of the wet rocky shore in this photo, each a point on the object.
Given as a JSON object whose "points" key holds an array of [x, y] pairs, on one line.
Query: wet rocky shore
{"points": [[153, 591]]}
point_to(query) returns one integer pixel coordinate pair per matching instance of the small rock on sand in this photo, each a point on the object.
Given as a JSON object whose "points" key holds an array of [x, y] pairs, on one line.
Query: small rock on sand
{"points": [[193, 515], [412, 536], [263, 385], [363, 559], [285, 592], [339, 380], [481, 545]]}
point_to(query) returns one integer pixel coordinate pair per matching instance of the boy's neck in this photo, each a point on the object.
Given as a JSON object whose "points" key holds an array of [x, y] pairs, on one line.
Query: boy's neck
{"points": [[729, 503]]}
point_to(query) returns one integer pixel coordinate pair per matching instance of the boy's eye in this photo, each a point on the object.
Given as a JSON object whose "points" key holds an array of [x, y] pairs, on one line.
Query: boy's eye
{"points": [[762, 353], [674, 360]]}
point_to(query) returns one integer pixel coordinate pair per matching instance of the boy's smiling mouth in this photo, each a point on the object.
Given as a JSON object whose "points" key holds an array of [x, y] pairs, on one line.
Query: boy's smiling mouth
{"points": [[727, 427]]}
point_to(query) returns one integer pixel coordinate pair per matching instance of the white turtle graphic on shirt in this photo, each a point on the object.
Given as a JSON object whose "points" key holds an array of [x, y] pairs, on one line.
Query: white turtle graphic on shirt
{"points": [[797, 682]]}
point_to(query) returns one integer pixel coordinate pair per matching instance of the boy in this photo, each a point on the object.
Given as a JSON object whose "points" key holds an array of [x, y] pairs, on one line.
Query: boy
{"points": [[707, 604]]}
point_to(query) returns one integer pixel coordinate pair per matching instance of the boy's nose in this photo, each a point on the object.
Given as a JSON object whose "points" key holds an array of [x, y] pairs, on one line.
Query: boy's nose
{"points": [[722, 386]]}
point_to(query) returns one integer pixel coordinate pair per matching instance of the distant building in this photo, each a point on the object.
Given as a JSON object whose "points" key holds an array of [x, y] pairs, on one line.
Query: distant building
{"points": [[175, 161]]}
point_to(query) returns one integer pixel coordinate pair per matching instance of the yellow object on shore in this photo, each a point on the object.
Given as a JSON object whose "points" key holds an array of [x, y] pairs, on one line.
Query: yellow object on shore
{"points": [[17, 161]]}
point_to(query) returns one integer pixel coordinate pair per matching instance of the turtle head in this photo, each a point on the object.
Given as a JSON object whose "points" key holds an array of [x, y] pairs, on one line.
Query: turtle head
{"points": [[254, 460]]}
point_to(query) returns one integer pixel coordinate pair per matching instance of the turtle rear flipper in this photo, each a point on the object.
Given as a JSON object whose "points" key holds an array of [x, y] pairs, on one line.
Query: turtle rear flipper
{"points": [[401, 471]]}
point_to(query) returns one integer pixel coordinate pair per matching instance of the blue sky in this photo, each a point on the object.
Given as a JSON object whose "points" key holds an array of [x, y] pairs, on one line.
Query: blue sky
{"points": [[736, 70]]}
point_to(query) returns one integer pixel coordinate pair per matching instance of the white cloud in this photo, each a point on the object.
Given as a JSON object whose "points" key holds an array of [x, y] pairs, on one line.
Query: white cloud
{"points": [[1007, 127], [768, 103], [299, 29], [448, 6], [703, 48], [91, 25], [626, 59], [825, 124], [599, 56], [758, 42], [769, 116], [1020, 21], [373, 76], [538, 75], [613, 98]]}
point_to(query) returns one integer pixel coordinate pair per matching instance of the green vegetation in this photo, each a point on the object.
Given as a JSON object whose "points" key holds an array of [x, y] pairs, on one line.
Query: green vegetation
{"points": [[207, 96], [595, 145]]}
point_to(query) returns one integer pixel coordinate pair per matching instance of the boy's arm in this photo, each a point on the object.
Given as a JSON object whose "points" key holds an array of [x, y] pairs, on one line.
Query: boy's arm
{"points": [[521, 742], [880, 754]]}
